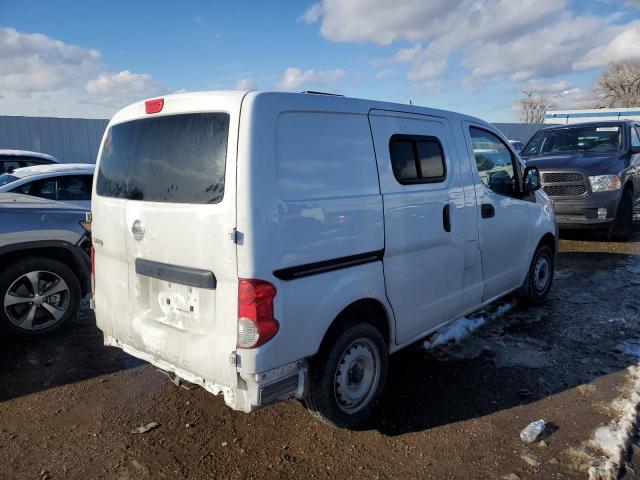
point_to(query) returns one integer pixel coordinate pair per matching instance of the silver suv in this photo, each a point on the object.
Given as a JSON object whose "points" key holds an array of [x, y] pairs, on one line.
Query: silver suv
{"points": [[45, 258]]}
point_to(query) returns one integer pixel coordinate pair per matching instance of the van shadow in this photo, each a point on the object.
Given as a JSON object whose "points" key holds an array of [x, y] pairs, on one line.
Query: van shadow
{"points": [[527, 355], [72, 355]]}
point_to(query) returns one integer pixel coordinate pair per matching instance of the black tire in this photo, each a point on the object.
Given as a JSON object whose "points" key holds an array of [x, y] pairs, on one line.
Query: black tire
{"points": [[324, 370], [44, 323], [622, 227], [540, 276]]}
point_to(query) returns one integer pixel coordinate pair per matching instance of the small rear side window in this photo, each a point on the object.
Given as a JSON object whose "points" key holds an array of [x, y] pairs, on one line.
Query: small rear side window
{"points": [[417, 159], [173, 159]]}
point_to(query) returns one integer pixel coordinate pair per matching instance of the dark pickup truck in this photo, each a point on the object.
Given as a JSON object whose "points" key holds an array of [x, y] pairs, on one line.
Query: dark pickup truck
{"points": [[592, 173]]}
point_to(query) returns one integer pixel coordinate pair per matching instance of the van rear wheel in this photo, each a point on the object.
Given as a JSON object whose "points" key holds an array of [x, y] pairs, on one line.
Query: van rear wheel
{"points": [[347, 375]]}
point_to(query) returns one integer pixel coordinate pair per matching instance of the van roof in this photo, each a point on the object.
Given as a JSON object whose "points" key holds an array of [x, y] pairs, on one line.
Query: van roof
{"points": [[289, 100]]}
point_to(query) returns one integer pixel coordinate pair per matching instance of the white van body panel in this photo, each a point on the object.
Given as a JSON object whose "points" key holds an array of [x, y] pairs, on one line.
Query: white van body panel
{"points": [[424, 265], [310, 205], [507, 240], [148, 316], [307, 192]]}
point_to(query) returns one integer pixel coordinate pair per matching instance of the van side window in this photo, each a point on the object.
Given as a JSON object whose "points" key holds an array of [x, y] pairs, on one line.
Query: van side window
{"points": [[494, 162], [416, 159]]}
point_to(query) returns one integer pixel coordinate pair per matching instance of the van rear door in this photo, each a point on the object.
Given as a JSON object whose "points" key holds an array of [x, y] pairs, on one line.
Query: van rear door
{"points": [[170, 178]]}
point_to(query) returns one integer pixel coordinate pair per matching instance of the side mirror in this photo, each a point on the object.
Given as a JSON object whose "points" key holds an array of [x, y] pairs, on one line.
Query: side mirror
{"points": [[531, 180]]}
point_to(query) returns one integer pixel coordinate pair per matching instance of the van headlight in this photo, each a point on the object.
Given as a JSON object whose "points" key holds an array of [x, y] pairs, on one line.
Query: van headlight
{"points": [[602, 183]]}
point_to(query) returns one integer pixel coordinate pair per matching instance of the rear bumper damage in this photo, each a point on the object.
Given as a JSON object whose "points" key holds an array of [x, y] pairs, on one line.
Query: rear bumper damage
{"points": [[253, 390]]}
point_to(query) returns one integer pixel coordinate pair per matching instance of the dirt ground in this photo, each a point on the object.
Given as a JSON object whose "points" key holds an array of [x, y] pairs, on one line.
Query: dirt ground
{"points": [[68, 404]]}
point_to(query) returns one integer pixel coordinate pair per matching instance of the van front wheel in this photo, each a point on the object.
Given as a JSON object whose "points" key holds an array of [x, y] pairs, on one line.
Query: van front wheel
{"points": [[347, 375], [540, 275]]}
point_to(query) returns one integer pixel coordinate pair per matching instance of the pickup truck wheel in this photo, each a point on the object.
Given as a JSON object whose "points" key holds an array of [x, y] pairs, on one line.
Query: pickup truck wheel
{"points": [[38, 296], [347, 375], [540, 275], [623, 224]]}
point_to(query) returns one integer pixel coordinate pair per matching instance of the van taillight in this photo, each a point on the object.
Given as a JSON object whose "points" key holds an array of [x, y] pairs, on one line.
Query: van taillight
{"points": [[154, 106], [256, 324]]}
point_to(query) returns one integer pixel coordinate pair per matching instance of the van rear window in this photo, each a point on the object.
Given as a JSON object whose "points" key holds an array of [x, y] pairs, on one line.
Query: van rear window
{"points": [[173, 159]]}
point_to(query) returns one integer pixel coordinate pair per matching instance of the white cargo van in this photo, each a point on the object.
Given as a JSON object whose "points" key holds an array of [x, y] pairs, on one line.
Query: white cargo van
{"points": [[271, 246]]}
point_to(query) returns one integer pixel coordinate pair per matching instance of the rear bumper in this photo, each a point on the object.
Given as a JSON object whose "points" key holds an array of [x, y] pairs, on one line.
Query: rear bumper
{"points": [[583, 212], [252, 390]]}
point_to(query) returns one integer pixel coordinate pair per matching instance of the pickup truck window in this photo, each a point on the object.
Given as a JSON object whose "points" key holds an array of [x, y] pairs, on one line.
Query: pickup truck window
{"points": [[494, 162], [416, 159], [602, 139], [635, 138]]}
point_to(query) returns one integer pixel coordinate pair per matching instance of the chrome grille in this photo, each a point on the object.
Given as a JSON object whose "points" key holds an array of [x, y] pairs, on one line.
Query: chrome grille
{"points": [[564, 184], [562, 177], [565, 190]]}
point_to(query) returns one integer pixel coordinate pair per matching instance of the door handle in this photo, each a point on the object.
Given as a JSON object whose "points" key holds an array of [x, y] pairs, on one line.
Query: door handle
{"points": [[487, 210], [446, 219]]}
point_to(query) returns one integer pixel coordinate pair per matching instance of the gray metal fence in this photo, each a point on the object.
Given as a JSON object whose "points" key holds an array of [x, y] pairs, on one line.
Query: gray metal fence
{"points": [[76, 140], [70, 140]]}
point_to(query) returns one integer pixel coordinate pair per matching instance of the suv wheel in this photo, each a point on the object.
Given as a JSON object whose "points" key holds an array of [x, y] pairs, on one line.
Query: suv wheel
{"points": [[39, 295], [347, 375], [540, 276], [623, 224]]}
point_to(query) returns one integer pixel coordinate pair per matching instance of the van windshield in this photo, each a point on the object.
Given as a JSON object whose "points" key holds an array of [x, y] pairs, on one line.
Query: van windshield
{"points": [[596, 139], [173, 159]]}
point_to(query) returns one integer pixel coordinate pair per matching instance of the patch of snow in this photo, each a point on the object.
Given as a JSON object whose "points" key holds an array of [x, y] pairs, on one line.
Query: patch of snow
{"points": [[562, 274], [461, 328], [613, 440], [630, 347], [455, 331]]}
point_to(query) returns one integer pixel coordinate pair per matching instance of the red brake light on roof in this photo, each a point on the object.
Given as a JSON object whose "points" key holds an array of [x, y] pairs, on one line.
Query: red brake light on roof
{"points": [[154, 106]]}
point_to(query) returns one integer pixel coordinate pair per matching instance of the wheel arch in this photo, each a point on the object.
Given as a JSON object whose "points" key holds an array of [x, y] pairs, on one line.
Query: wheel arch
{"points": [[628, 185], [369, 310], [548, 239], [63, 252]]}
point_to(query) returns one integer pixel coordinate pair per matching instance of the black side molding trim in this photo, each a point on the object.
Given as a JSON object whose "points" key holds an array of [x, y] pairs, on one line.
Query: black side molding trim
{"points": [[291, 273], [193, 277]]}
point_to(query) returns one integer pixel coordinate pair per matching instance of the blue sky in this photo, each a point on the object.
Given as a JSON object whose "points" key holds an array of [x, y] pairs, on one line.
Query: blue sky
{"points": [[87, 59]]}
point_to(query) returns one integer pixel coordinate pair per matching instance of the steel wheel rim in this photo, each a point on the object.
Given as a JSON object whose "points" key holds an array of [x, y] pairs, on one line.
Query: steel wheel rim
{"points": [[37, 300], [541, 273], [357, 376]]}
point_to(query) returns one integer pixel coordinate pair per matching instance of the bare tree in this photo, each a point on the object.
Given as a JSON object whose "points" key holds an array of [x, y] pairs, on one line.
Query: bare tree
{"points": [[533, 105], [619, 85]]}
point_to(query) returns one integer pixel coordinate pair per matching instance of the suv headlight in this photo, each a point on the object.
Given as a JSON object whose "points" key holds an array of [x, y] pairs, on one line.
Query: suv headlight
{"points": [[602, 183]]}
